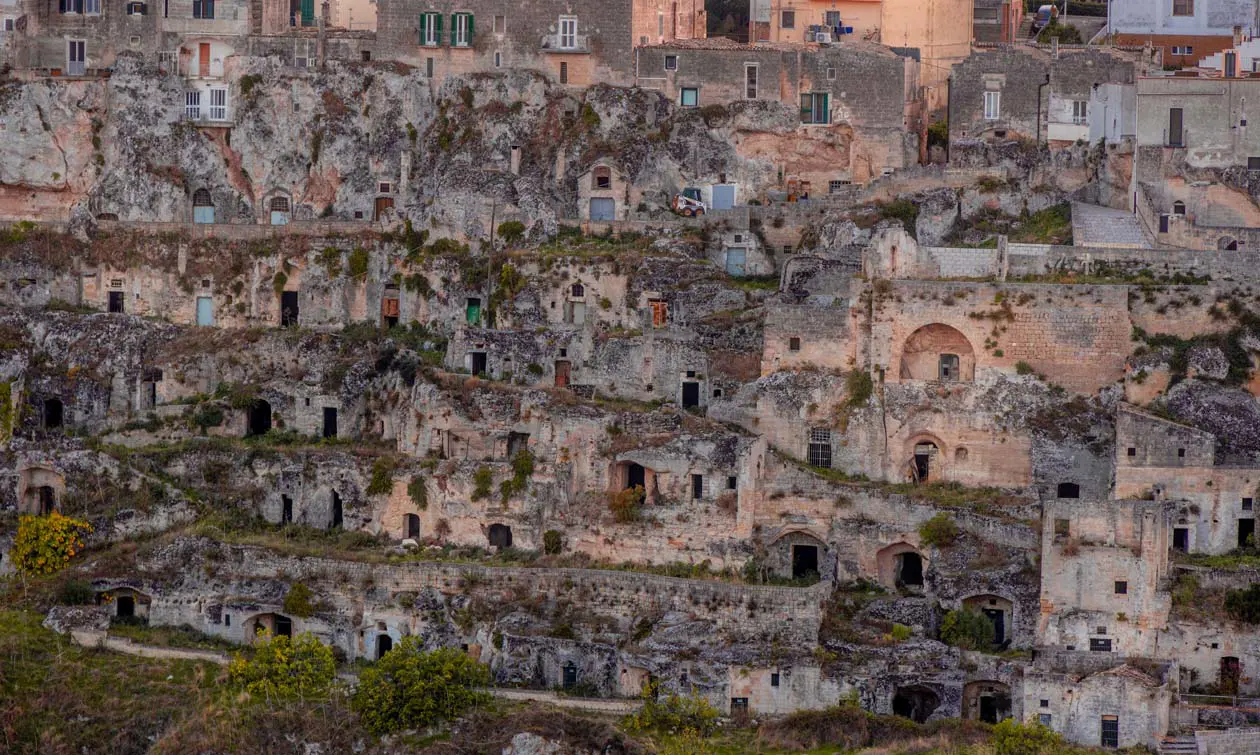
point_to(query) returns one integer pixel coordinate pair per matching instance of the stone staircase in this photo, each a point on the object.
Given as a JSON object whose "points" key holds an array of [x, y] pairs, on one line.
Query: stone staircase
{"points": [[1025, 27], [1180, 745]]}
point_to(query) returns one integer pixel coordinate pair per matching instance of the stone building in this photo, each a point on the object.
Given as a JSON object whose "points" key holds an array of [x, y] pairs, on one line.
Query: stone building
{"points": [[997, 21], [576, 45], [1034, 93], [1201, 118], [1185, 30], [858, 103]]}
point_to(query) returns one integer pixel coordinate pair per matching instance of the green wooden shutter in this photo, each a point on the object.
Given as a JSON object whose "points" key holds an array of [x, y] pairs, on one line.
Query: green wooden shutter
{"points": [[437, 20], [807, 110], [424, 27], [308, 12], [470, 29]]}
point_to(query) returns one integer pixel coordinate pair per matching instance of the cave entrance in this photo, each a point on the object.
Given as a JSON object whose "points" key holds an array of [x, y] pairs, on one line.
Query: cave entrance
{"points": [[500, 536], [570, 675], [288, 309], [286, 510], [1246, 533], [259, 418], [413, 526], [47, 500], [54, 413], [125, 607], [117, 302], [336, 510], [915, 703], [804, 561], [384, 644], [284, 626], [636, 476], [909, 572], [330, 422]]}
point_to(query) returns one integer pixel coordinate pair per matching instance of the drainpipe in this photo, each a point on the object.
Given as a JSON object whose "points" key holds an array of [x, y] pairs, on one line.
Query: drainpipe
{"points": [[949, 111], [1040, 86]]}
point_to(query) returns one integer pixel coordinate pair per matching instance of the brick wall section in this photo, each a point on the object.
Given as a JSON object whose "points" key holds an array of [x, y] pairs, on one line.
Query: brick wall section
{"points": [[1017, 74]]}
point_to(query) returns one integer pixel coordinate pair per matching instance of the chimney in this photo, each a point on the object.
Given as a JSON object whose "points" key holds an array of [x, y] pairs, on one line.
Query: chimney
{"points": [[1238, 37]]}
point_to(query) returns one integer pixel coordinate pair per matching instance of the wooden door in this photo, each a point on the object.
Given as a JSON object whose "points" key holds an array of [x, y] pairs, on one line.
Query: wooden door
{"points": [[562, 373], [203, 59]]}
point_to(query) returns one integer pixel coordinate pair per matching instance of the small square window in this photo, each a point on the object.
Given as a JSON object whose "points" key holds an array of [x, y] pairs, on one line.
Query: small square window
{"points": [[1247, 504], [1132, 452], [1100, 645], [671, 62], [787, 19], [774, 680], [689, 97], [1045, 703], [1253, 163], [1122, 587], [794, 344], [831, 74], [1216, 646], [732, 482], [1044, 719], [787, 248], [1181, 453]]}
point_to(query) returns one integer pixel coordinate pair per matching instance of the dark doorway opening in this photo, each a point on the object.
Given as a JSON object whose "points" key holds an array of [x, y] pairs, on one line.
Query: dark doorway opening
{"points": [[563, 370], [336, 510], [804, 561], [516, 443], [1110, 731], [259, 418], [288, 309], [570, 675], [126, 606], [1230, 675], [117, 302], [690, 394], [384, 644], [500, 536], [1246, 533], [923, 454], [413, 526], [47, 500], [286, 510], [479, 363], [1181, 539], [909, 570], [284, 626], [998, 618], [697, 486], [54, 413], [915, 703], [330, 422], [1068, 490], [636, 476]]}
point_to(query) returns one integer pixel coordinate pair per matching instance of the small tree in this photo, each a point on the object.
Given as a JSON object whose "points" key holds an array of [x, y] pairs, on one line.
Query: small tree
{"points": [[45, 544], [940, 531], [967, 629], [1244, 605], [298, 601], [410, 689], [553, 542], [282, 668], [511, 231], [673, 714], [1013, 738]]}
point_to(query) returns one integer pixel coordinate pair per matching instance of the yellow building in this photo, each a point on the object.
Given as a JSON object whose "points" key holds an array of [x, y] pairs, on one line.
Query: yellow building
{"points": [[940, 29]]}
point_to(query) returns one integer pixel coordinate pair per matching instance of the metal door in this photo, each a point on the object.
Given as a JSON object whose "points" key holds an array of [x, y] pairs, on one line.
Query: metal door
{"points": [[736, 261], [723, 196], [203, 214], [1175, 132], [205, 311], [203, 59], [603, 209]]}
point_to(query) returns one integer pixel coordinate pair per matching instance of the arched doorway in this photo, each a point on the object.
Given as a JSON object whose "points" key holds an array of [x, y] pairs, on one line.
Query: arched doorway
{"points": [[901, 566], [915, 702], [925, 462], [336, 511], [636, 476], [413, 526], [47, 500], [938, 352], [500, 536], [273, 624], [999, 611], [203, 206], [384, 644], [987, 701], [259, 418], [279, 208]]}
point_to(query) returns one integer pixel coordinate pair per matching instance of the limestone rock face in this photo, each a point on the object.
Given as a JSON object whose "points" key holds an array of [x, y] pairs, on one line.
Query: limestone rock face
{"points": [[67, 619]]}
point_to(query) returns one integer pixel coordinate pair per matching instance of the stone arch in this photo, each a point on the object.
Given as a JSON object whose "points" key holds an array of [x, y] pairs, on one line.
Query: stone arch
{"points": [[126, 603], [1227, 244], [901, 565], [499, 535], [270, 624], [926, 458], [915, 702], [798, 554], [986, 700], [40, 491], [1179, 207], [411, 524], [999, 611], [279, 208], [202, 198], [938, 352]]}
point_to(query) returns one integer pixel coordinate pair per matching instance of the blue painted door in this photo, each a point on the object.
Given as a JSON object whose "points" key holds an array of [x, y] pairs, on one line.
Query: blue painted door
{"points": [[205, 311], [203, 214], [603, 209], [723, 196], [736, 261]]}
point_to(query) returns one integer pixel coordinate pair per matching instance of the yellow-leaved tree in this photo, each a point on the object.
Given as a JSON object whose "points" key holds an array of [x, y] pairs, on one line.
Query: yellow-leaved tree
{"points": [[45, 544]]}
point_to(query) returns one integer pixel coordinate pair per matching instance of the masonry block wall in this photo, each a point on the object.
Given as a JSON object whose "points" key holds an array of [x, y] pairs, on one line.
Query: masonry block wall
{"points": [[45, 42]]}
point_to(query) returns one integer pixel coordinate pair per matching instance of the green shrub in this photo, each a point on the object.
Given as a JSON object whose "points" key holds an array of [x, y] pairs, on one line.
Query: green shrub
{"points": [[901, 632], [418, 492], [1066, 34], [1244, 605], [75, 592], [412, 689], [940, 531], [627, 505], [1023, 368], [298, 601], [553, 542], [382, 481], [282, 668], [247, 84], [859, 387], [511, 231], [358, 262], [483, 478], [673, 714], [1013, 738], [967, 629]]}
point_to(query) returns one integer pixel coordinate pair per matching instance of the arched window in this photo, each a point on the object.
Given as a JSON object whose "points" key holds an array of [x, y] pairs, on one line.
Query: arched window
{"points": [[1179, 207], [201, 198], [279, 204], [203, 206], [1068, 490], [578, 290], [601, 177]]}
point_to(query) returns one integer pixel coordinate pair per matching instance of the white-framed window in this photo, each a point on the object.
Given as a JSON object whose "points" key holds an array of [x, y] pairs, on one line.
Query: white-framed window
{"points": [[832, 18], [992, 105], [750, 81], [1183, 7], [192, 105], [70, 6], [137, 9], [76, 57], [836, 185], [671, 62], [689, 97], [203, 9], [430, 29], [1080, 112], [8, 24], [568, 32], [218, 104], [498, 59], [92, 7], [1183, 49], [461, 30]]}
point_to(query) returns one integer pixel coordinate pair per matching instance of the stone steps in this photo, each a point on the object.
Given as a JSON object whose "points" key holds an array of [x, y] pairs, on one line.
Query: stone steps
{"points": [[1184, 745]]}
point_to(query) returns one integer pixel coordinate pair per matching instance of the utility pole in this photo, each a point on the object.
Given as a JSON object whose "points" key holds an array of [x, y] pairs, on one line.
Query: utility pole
{"points": [[494, 206]]}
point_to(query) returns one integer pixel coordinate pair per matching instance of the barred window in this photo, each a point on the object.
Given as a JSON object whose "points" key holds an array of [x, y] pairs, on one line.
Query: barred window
{"points": [[820, 447]]}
